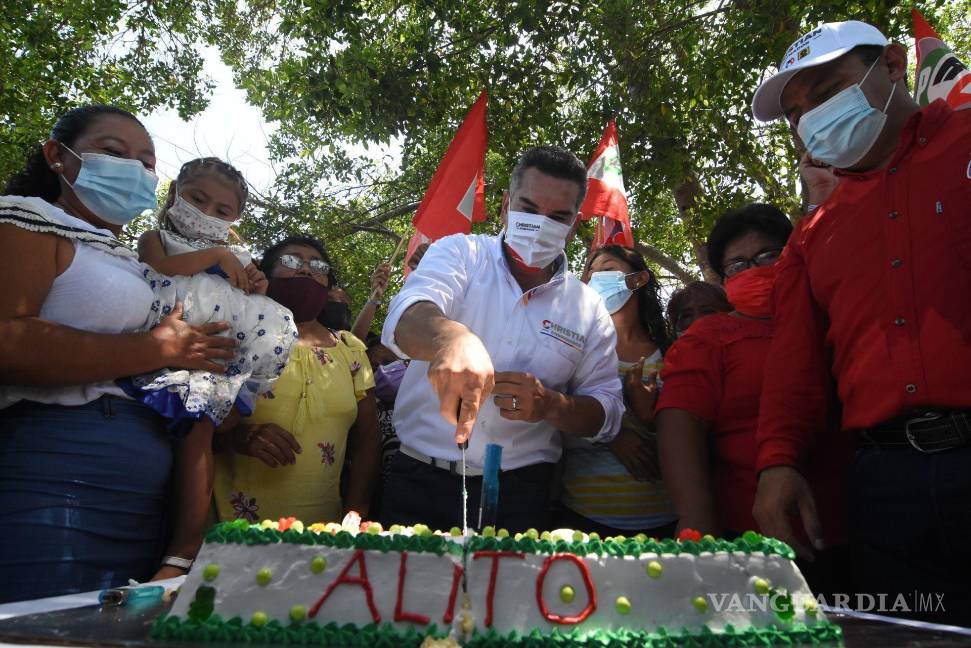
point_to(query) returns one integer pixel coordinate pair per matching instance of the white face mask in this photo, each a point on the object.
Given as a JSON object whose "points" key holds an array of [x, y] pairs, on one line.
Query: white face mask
{"points": [[537, 239], [192, 223]]}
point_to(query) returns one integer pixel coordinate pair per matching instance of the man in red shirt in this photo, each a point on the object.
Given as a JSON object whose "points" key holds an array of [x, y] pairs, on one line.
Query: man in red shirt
{"points": [[874, 290]]}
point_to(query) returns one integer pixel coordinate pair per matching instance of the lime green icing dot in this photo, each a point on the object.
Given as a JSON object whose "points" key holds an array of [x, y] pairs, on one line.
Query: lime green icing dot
{"points": [[502, 533], [297, 526], [811, 607], [641, 537], [532, 534], [518, 537], [545, 535], [455, 531], [395, 528], [266, 524], [762, 586], [259, 619], [594, 535], [263, 577], [318, 564], [298, 613], [578, 536], [210, 572], [700, 604], [489, 532], [623, 605], [374, 528], [567, 594], [708, 537], [654, 569]]}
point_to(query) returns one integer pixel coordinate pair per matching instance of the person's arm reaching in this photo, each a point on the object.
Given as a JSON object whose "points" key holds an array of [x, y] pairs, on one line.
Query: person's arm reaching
{"points": [[34, 351], [682, 439], [418, 326], [379, 282], [150, 251], [686, 410], [365, 458], [793, 409]]}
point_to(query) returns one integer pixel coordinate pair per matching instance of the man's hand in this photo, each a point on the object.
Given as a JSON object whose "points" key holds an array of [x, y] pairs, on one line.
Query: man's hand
{"points": [[461, 374], [819, 179], [521, 397], [783, 490], [638, 455]]}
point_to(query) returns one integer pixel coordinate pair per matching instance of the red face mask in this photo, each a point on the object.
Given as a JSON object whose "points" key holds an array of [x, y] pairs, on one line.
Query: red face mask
{"points": [[750, 291]]}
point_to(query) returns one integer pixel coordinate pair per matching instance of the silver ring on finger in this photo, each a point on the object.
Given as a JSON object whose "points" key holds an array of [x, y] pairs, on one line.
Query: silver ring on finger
{"points": [[515, 403]]}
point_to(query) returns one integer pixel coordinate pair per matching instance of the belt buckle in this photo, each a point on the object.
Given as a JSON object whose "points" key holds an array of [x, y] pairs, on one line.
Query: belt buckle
{"points": [[927, 416]]}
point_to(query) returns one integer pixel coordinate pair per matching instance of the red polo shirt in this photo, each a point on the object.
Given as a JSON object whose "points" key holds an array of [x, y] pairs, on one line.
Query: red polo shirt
{"points": [[875, 289], [715, 371]]}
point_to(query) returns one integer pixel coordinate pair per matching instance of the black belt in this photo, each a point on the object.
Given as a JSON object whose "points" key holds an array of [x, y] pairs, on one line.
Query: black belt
{"points": [[927, 432]]}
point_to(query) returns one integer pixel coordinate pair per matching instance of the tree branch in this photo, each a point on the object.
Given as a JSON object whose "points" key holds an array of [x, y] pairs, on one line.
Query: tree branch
{"points": [[671, 265]]}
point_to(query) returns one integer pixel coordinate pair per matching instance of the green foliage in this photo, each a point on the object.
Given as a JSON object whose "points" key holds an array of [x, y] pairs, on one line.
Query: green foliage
{"points": [[677, 76], [57, 55]]}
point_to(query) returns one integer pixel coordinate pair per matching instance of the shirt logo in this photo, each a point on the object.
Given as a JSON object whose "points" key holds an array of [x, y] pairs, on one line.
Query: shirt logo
{"points": [[803, 53], [562, 334]]}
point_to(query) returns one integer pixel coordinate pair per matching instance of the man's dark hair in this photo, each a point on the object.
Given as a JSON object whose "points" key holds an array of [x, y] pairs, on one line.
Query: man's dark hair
{"points": [[757, 217], [275, 251], [553, 161]]}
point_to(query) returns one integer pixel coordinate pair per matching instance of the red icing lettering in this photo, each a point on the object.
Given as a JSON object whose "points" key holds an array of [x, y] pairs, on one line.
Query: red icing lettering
{"points": [[490, 594], [343, 579], [587, 582], [399, 615], [456, 579]]}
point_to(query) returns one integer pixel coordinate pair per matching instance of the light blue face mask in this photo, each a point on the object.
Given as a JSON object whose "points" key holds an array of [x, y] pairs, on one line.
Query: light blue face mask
{"points": [[611, 285], [842, 129], [116, 190]]}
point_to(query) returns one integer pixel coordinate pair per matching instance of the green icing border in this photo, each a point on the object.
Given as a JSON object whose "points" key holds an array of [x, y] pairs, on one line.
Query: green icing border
{"points": [[237, 533], [234, 533], [215, 629]]}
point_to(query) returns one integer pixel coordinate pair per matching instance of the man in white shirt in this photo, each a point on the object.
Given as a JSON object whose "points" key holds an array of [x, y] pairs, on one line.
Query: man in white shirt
{"points": [[507, 348]]}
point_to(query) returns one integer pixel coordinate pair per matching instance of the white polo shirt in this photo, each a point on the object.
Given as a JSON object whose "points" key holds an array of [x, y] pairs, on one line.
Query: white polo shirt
{"points": [[560, 332]]}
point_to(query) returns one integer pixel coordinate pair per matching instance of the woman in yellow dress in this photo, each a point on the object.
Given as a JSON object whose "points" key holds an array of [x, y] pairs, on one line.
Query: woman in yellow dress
{"points": [[286, 458]]}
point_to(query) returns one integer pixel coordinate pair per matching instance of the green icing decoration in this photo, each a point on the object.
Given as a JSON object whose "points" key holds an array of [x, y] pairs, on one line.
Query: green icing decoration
{"points": [[502, 533], [654, 569], [762, 586], [782, 605], [202, 604], [210, 572], [263, 577], [258, 619], [424, 540], [811, 608], [489, 532], [318, 564], [567, 594], [623, 605], [700, 604], [215, 629], [298, 613]]}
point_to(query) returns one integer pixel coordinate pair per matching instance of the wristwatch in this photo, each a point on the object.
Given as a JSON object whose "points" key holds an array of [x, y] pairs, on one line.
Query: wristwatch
{"points": [[175, 561]]}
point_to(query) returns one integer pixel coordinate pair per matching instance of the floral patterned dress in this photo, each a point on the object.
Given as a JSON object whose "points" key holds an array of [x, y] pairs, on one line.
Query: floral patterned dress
{"points": [[315, 399]]}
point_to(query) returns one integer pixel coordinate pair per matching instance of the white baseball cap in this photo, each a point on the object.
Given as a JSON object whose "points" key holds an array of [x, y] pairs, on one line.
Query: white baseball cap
{"points": [[826, 43]]}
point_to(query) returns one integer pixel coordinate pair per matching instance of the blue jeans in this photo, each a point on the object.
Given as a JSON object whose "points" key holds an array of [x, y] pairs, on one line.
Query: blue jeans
{"points": [[910, 529], [82, 496]]}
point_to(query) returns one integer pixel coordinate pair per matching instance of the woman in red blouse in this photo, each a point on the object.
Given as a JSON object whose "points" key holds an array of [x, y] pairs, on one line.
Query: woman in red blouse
{"points": [[707, 413]]}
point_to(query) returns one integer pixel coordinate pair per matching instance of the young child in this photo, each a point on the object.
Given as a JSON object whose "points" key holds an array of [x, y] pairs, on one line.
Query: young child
{"points": [[210, 280]]}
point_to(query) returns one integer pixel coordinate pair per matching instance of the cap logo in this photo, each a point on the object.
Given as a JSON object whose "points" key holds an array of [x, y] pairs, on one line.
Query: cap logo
{"points": [[803, 41], [789, 62], [803, 53]]}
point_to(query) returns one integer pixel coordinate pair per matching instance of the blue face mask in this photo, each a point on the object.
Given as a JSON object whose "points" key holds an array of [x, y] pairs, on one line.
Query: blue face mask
{"points": [[116, 190], [611, 285], [843, 129]]}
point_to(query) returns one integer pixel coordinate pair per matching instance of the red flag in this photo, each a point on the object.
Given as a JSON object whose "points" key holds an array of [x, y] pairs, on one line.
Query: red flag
{"points": [[606, 198], [940, 73], [456, 196]]}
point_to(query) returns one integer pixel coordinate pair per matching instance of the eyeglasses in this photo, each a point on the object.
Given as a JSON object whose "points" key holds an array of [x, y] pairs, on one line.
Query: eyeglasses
{"points": [[764, 258], [316, 266]]}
